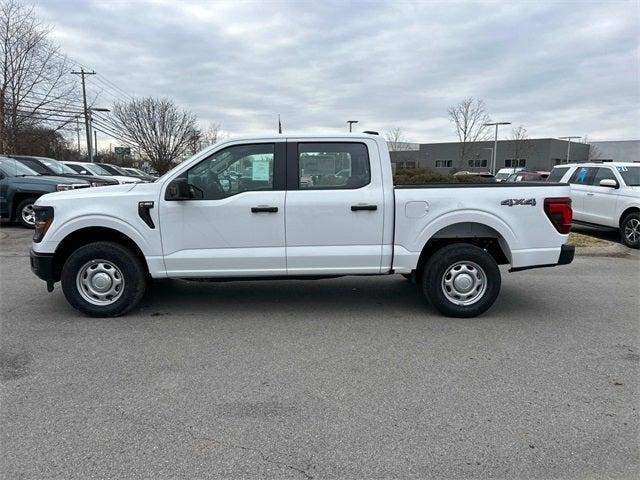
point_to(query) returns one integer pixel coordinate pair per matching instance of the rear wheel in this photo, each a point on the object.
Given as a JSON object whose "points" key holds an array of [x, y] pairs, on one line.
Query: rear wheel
{"points": [[461, 280], [103, 279], [630, 230], [25, 214]]}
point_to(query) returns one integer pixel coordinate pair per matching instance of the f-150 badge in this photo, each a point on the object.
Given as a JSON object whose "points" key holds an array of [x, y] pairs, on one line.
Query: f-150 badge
{"points": [[510, 202]]}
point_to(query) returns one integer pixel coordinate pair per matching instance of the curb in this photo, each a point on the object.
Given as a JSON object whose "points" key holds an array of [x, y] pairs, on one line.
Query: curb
{"points": [[611, 250]]}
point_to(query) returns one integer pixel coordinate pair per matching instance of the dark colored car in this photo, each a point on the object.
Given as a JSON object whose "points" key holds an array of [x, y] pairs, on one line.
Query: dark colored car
{"points": [[49, 166], [523, 176], [20, 186], [116, 170]]}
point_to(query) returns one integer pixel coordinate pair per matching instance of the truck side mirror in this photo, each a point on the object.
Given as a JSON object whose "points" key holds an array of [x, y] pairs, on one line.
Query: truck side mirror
{"points": [[178, 189], [608, 182]]}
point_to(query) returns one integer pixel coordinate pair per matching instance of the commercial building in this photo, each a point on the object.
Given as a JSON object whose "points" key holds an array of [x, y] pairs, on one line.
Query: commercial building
{"points": [[532, 154], [616, 151]]}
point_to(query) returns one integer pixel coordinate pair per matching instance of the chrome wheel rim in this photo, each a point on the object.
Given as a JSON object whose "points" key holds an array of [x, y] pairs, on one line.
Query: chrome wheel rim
{"points": [[100, 282], [632, 230], [28, 215], [464, 283]]}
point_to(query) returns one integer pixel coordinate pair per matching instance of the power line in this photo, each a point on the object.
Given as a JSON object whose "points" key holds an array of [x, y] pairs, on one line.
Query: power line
{"points": [[114, 132]]}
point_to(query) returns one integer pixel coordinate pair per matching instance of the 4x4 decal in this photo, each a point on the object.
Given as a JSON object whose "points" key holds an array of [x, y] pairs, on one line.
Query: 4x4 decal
{"points": [[510, 202]]}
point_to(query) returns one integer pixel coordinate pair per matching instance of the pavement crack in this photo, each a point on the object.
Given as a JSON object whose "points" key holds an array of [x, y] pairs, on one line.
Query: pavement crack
{"points": [[263, 455]]}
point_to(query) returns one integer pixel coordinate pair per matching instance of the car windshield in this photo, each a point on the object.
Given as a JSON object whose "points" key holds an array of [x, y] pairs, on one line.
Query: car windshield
{"points": [[630, 175], [502, 176], [58, 167], [95, 169], [13, 168]]}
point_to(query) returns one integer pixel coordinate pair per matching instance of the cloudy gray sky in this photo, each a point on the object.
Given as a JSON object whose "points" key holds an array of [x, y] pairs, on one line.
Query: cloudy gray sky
{"points": [[558, 68]]}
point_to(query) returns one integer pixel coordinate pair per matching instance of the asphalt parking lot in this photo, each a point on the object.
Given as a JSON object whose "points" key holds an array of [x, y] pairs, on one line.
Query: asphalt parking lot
{"points": [[348, 378]]}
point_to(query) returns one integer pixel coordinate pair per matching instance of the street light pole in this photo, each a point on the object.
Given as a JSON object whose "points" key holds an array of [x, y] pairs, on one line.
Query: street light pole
{"points": [[495, 144], [351, 122], [490, 149], [568, 139]]}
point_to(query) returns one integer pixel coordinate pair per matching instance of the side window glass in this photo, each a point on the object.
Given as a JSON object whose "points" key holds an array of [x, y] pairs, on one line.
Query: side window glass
{"points": [[237, 169], [333, 166], [603, 173], [557, 174], [582, 176]]}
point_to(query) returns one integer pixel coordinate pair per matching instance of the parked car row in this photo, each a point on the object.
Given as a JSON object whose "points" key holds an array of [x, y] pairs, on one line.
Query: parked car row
{"points": [[24, 178], [604, 195]]}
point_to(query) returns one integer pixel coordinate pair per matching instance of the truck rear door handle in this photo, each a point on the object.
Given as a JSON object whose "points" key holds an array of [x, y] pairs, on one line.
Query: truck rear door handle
{"points": [[590, 194], [264, 209], [355, 208]]}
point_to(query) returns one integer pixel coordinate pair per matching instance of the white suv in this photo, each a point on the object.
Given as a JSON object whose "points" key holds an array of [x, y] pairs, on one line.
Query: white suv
{"points": [[605, 195]]}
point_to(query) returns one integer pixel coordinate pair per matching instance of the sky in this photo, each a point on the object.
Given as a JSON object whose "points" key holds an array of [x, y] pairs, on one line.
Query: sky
{"points": [[556, 67]]}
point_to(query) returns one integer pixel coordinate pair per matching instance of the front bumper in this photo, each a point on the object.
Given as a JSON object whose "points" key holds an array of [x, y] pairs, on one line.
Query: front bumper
{"points": [[567, 252], [42, 266]]}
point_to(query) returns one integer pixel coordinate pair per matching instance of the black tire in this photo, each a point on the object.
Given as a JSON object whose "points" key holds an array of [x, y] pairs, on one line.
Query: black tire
{"points": [[25, 204], [630, 230], [128, 266], [465, 258]]}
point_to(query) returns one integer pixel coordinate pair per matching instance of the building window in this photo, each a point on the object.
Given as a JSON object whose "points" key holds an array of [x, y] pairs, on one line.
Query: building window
{"points": [[515, 162], [478, 163], [444, 163], [560, 161], [406, 165]]}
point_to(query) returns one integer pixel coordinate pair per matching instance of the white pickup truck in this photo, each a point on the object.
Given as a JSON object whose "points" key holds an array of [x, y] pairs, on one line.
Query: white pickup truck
{"points": [[296, 207]]}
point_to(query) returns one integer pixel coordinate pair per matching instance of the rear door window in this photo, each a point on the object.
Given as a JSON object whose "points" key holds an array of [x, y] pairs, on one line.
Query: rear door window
{"points": [[333, 166], [583, 176]]}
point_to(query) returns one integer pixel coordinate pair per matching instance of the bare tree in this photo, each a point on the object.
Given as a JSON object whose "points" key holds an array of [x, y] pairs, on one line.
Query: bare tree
{"points": [[520, 145], [396, 140], [163, 131], [211, 135], [36, 88], [469, 118], [594, 152]]}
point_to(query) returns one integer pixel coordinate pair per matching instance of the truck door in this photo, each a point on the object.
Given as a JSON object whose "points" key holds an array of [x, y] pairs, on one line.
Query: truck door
{"points": [[600, 202], [580, 181], [334, 207], [234, 223]]}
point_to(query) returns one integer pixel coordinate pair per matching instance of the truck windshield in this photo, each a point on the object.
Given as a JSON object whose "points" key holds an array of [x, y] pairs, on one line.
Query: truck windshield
{"points": [[630, 175], [13, 168], [95, 169], [57, 167]]}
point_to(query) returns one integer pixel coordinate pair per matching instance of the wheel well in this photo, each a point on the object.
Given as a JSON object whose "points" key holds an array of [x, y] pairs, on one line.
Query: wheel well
{"points": [[472, 233], [84, 236], [19, 197], [627, 212]]}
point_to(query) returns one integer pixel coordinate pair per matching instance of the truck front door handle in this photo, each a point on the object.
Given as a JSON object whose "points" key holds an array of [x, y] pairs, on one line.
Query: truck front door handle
{"points": [[355, 208], [264, 209], [590, 194]]}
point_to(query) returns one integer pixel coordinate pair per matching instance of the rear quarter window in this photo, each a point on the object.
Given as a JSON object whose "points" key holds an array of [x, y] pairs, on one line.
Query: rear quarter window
{"points": [[557, 174]]}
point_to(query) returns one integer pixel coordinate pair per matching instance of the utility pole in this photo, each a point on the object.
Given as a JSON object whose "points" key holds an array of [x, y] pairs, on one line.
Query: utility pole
{"points": [[82, 74], [495, 144], [568, 139], [95, 141], [351, 122], [78, 132]]}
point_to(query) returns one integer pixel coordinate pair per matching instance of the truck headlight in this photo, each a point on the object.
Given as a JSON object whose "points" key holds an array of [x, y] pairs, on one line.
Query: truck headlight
{"points": [[44, 217], [61, 187]]}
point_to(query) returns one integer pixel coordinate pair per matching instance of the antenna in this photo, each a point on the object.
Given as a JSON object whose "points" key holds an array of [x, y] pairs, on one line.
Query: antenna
{"points": [[279, 125]]}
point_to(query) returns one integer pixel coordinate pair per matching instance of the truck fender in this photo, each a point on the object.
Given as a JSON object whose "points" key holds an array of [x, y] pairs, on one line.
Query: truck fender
{"points": [[104, 221]]}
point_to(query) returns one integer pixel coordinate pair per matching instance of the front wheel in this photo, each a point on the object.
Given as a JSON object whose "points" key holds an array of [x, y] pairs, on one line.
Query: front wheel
{"points": [[25, 214], [461, 280], [630, 230], [103, 279]]}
